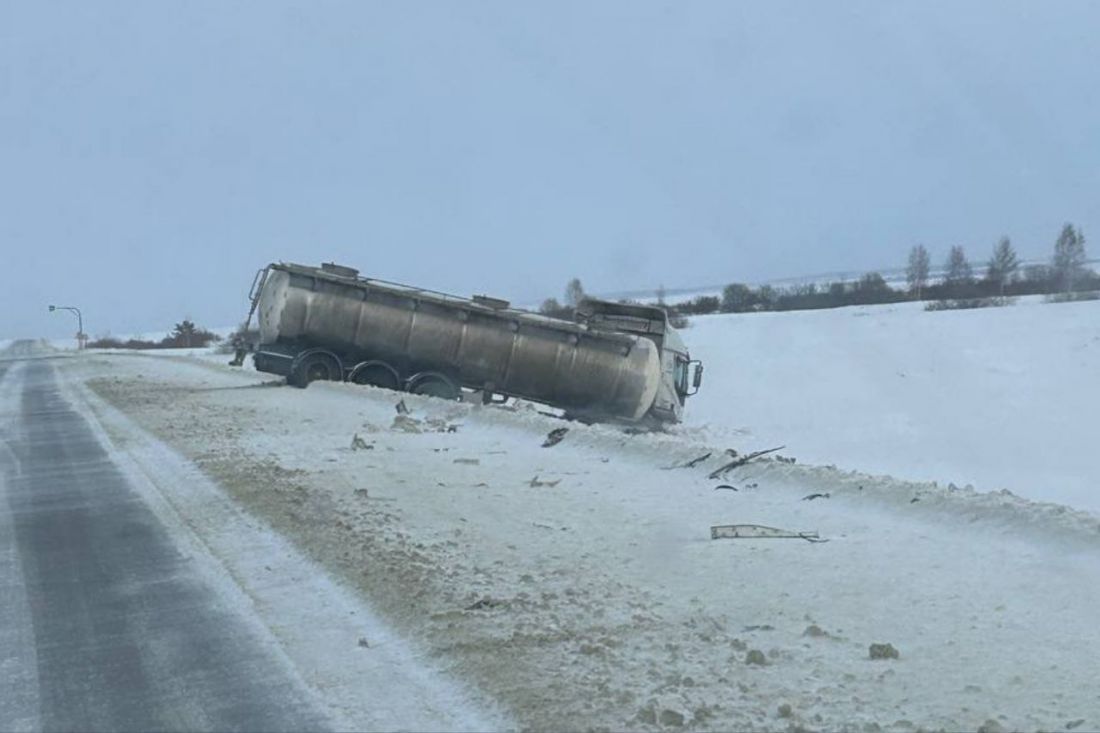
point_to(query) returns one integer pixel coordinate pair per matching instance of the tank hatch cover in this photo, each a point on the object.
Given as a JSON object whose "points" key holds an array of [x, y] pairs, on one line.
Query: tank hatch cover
{"points": [[490, 302], [339, 270]]}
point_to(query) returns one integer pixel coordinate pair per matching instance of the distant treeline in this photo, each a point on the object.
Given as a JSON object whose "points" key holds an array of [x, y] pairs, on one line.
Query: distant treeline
{"points": [[185, 335], [1003, 277], [1066, 277]]}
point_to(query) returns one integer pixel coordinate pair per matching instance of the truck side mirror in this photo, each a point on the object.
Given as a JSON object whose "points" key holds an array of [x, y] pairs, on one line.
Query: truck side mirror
{"points": [[697, 378]]}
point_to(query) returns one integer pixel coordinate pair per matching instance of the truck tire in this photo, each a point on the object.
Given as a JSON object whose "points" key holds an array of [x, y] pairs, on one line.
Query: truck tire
{"points": [[314, 367], [435, 385], [376, 374]]}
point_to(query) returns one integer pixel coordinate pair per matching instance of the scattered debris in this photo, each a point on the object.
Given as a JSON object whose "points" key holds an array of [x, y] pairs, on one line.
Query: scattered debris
{"points": [[883, 651], [363, 643], [402, 408], [467, 461], [914, 500], [784, 711], [741, 460], [758, 531], [690, 464], [535, 483], [728, 487], [362, 493], [406, 424], [484, 603], [785, 459], [758, 627], [554, 437], [755, 656], [696, 461], [815, 631], [440, 425], [811, 497], [358, 443]]}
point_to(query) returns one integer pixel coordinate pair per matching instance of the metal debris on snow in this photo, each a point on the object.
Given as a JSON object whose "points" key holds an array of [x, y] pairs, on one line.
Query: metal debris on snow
{"points": [[690, 464], [554, 437], [811, 497], [759, 531], [535, 483], [741, 460]]}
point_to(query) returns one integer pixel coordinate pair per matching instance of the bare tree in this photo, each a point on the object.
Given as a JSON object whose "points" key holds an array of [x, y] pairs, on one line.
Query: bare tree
{"points": [[1069, 256], [917, 271], [959, 271], [1003, 265], [574, 293]]}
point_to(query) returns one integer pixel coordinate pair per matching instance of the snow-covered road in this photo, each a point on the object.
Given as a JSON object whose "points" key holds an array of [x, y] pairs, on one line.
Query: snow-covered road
{"points": [[138, 596], [577, 585]]}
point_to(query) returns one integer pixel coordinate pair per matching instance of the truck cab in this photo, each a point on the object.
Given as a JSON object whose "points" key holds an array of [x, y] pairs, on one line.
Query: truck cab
{"points": [[681, 376]]}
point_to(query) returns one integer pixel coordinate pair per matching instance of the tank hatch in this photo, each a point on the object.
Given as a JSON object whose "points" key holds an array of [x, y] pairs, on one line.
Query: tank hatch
{"points": [[339, 270], [497, 304]]}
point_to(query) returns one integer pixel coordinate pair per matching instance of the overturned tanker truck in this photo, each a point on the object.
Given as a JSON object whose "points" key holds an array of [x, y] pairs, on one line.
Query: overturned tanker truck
{"points": [[617, 362]]}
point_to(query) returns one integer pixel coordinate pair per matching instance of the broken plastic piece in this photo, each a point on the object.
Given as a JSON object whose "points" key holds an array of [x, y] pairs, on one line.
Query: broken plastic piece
{"points": [[759, 531]]}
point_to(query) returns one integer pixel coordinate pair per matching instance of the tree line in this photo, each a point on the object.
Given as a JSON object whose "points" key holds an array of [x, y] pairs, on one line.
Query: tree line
{"points": [[1003, 276], [185, 335]]}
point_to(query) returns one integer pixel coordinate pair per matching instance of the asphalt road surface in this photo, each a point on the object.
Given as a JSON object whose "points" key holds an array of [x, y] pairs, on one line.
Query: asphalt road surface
{"points": [[104, 623]]}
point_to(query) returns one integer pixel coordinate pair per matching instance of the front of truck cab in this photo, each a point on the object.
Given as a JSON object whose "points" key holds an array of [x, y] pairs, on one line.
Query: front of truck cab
{"points": [[677, 380], [681, 377]]}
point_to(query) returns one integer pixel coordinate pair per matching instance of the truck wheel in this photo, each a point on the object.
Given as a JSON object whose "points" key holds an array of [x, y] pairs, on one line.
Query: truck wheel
{"points": [[436, 387], [375, 375], [313, 368]]}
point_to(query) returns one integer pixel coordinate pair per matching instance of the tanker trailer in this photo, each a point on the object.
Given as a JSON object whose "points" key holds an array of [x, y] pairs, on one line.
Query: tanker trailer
{"points": [[617, 362]]}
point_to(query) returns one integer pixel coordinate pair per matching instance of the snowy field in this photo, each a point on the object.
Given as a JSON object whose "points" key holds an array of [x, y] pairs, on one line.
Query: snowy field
{"points": [[1000, 398]]}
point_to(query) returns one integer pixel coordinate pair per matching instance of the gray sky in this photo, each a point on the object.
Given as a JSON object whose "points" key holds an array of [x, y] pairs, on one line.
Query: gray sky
{"points": [[153, 155]]}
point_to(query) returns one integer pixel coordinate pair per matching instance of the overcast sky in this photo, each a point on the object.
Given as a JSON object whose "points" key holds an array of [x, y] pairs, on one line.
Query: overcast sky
{"points": [[153, 155]]}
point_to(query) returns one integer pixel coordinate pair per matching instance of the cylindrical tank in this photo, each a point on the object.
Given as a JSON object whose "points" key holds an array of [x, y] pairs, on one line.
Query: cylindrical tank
{"points": [[480, 342]]}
